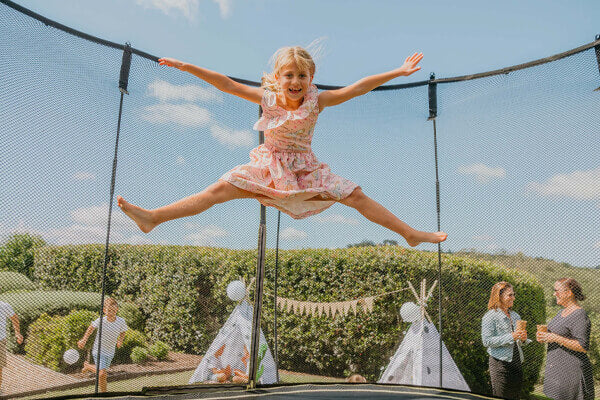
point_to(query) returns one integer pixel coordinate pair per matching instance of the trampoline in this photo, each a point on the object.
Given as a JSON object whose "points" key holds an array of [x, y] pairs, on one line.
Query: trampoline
{"points": [[308, 391], [508, 156]]}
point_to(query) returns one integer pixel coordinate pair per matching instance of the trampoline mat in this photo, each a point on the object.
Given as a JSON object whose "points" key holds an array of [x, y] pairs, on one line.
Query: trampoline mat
{"points": [[310, 391]]}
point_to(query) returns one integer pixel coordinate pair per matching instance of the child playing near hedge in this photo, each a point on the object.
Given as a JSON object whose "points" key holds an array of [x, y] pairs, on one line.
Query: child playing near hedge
{"points": [[113, 332], [6, 312], [284, 172]]}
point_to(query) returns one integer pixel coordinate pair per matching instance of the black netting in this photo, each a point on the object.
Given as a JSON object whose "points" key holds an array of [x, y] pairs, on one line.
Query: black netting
{"points": [[519, 196]]}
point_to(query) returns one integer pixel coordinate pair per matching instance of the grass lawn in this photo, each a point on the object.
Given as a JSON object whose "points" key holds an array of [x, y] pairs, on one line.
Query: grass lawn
{"points": [[176, 379]]}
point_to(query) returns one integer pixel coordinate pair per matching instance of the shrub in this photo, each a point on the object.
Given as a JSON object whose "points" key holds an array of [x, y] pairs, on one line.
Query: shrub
{"points": [[17, 253], [181, 290], [29, 306], [159, 350], [48, 338], [139, 355], [132, 315], [131, 340], [14, 281]]}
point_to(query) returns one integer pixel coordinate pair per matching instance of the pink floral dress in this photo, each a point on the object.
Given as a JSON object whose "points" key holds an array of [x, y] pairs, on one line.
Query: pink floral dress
{"points": [[284, 170]]}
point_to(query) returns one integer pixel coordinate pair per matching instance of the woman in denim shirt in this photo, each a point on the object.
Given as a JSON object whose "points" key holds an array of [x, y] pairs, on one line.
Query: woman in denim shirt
{"points": [[499, 335]]}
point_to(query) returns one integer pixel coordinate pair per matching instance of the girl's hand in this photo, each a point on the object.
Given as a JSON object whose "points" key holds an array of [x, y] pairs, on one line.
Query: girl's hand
{"points": [[519, 335], [81, 344], [410, 64], [171, 62]]}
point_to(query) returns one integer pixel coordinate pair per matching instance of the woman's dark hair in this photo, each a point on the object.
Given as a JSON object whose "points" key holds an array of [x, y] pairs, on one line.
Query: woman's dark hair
{"points": [[574, 287]]}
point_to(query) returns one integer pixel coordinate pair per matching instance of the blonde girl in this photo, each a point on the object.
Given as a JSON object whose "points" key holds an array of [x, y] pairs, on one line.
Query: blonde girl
{"points": [[284, 172]]}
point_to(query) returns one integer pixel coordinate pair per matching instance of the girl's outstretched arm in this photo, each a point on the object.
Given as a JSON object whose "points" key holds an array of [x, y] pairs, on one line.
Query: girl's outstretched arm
{"points": [[330, 98], [220, 81]]}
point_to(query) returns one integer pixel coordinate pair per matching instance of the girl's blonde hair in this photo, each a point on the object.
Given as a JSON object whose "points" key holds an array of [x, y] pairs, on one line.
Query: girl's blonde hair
{"points": [[286, 56]]}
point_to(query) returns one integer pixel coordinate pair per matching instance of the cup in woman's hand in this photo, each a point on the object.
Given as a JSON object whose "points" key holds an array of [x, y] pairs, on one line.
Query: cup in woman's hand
{"points": [[521, 325]]}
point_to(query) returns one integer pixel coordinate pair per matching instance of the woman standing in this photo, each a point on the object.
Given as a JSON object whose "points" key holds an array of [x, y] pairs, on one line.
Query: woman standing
{"points": [[500, 335], [568, 373]]}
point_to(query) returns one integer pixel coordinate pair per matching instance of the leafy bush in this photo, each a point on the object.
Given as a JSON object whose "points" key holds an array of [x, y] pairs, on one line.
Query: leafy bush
{"points": [[17, 253], [181, 290], [48, 338], [14, 281], [159, 350], [139, 355], [132, 315], [29, 306], [131, 340], [594, 352]]}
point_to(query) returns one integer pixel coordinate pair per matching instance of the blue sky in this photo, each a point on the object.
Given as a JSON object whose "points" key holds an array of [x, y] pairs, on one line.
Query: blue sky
{"points": [[518, 153]]}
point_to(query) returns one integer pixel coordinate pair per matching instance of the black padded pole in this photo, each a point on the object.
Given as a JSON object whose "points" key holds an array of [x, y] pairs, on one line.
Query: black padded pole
{"points": [[432, 91], [123, 80], [275, 350], [597, 49], [258, 293]]}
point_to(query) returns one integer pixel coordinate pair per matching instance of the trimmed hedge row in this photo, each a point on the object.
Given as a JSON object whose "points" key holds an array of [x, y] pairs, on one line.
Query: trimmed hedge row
{"points": [[181, 292], [29, 306], [14, 281]]}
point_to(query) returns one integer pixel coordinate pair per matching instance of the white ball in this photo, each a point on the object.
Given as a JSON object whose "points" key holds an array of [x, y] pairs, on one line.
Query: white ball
{"points": [[71, 356], [410, 312], [236, 290]]}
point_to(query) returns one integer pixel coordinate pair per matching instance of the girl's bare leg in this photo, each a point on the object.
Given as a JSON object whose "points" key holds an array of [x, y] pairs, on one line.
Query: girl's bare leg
{"points": [[218, 192], [377, 213]]}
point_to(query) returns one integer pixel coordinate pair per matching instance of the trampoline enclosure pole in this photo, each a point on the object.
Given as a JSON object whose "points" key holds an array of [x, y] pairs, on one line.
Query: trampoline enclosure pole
{"points": [[432, 94], [123, 81], [258, 293]]}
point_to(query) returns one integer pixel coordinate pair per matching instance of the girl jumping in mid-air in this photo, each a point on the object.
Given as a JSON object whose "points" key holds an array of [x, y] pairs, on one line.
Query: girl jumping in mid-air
{"points": [[284, 172]]}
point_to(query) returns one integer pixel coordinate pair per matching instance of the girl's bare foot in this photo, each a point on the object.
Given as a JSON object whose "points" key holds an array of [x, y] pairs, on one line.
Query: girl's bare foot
{"points": [[142, 217], [418, 237]]}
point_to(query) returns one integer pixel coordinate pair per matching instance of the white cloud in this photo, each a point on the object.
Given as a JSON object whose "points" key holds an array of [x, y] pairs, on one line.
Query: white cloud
{"points": [[97, 216], [224, 8], [336, 219], [482, 172], [230, 137], [188, 8], [205, 236], [83, 176], [80, 234], [293, 234], [597, 245], [164, 91], [182, 114], [580, 185], [180, 160]]}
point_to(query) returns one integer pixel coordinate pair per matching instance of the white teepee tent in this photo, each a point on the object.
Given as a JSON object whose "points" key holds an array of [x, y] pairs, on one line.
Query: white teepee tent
{"points": [[235, 335], [417, 361]]}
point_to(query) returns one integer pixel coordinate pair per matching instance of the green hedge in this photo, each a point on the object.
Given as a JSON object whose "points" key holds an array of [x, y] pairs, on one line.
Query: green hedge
{"points": [[14, 281], [29, 306], [181, 291], [50, 336]]}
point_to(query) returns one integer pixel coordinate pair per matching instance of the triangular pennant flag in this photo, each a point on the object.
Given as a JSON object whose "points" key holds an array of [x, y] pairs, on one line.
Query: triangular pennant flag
{"points": [[320, 308], [369, 303], [353, 306]]}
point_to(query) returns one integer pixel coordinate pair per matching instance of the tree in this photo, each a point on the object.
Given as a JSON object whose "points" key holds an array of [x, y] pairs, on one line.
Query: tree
{"points": [[16, 253], [389, 242]]}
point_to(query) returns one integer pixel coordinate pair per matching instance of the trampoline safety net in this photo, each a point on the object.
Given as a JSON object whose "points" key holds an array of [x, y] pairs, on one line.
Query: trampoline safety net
{"points": [[511, 155]]}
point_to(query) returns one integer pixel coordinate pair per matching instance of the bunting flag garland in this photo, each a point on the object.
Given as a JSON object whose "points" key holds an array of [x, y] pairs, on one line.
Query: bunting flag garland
{"points": [[332, 309]]}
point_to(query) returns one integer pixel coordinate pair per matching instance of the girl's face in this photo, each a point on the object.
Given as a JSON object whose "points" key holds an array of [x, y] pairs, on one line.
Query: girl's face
{"points": [[562, 294], [507, 298], [293, 82]]}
